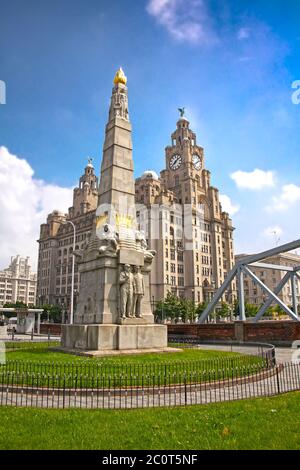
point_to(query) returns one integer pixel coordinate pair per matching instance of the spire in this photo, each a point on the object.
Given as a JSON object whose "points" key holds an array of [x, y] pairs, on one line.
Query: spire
{"points": [[119, 99], [120, 77], [117, 188]]}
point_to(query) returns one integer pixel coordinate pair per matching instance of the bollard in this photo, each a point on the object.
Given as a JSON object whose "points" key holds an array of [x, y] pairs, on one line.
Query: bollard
{"points": [[32, 334]]}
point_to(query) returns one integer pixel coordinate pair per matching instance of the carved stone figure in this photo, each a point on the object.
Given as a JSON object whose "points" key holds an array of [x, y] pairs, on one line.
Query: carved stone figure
{"points": [[138, 291], [142, 245], [109, 240], [126, 282]]}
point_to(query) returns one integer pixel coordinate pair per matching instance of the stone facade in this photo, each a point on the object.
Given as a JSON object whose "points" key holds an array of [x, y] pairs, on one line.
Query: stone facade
{"points": [[56, 242], [271, 278], [191, 265], [18, 282], [191, 234]]}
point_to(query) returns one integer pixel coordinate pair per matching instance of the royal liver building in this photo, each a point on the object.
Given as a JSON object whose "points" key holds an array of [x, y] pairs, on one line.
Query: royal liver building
{"points": [[179, 216], [185, 223]]}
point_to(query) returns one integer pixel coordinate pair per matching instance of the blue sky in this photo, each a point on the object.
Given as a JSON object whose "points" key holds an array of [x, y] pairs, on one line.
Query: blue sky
{"points": [[230, 63]]}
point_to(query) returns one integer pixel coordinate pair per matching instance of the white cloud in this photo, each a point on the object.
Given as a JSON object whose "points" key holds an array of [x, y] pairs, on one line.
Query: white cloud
{"points": [[25, 203], [243, 33], [254, 180], [290, 194], [185, 20], [228, 205]]}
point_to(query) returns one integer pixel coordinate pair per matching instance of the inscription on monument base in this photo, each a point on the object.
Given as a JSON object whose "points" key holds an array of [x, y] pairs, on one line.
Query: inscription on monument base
{"points": [[132, 257]]}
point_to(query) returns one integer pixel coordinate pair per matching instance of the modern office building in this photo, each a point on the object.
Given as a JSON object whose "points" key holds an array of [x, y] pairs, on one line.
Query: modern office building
{"points": [[18, 283]]}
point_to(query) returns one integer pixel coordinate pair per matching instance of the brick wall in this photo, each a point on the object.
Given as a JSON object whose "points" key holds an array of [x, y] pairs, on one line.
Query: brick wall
{"points": [[275, 332], [55, 329], [216, 332]]}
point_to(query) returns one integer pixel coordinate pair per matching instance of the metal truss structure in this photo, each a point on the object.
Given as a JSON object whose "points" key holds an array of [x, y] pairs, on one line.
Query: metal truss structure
{"points": [[243, 266]]}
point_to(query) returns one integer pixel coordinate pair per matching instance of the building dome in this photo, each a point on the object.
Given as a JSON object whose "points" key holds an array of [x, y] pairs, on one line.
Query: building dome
{"points": [[150, 174]]}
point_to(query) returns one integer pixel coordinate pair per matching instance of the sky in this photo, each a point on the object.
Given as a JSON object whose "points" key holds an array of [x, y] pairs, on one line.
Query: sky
{"points": [[232, 65]]}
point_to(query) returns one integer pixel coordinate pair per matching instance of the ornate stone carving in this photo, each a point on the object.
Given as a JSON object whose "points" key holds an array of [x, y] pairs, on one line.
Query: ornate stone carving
{"points": [[119, 103], [109, 240], [138, 291], [126, 282], [142, 245]]}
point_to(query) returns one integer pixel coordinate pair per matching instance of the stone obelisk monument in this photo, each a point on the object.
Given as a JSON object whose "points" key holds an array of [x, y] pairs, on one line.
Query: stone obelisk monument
{"points": [[113, 310]]}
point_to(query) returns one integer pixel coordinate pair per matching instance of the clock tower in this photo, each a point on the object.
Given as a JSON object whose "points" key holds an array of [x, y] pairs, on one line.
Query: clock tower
{"points": [[184, 162], [195, 245]]}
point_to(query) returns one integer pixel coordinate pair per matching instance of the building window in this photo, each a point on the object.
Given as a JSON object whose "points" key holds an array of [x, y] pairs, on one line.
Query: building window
{"points": [[180, 269]]}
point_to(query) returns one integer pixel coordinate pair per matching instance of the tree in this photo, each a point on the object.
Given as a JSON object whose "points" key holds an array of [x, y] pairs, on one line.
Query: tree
{"points": [[224, 311], [236, 308], [200, 308], [169, 308], [54, 312], [15, 305], [251, 309], [190, 310], [175, 309]]}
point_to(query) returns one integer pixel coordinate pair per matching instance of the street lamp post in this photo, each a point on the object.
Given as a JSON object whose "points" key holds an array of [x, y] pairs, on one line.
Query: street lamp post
{"points": [[73, 273], [73, 270]]}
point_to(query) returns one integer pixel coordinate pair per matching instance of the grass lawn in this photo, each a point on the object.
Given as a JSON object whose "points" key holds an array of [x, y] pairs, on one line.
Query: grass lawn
{"points": [[45, 367], [43, 353], [265, 423]]}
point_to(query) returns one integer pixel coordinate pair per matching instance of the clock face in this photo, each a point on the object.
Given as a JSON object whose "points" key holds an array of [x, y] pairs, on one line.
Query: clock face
{"points": [[175, 162], [197, 162]]}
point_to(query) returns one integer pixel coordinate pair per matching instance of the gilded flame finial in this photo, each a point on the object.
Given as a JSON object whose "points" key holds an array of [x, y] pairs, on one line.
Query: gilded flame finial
{"points": [[120, 77]]}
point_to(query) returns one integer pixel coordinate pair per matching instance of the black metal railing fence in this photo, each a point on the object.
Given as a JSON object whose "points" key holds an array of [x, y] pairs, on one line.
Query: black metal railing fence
{"points": [[134, 391]]}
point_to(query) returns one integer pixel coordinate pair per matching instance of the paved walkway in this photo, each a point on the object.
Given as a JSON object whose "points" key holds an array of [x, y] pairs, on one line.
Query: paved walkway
{"points": [[27, 338], [282, 354]]}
